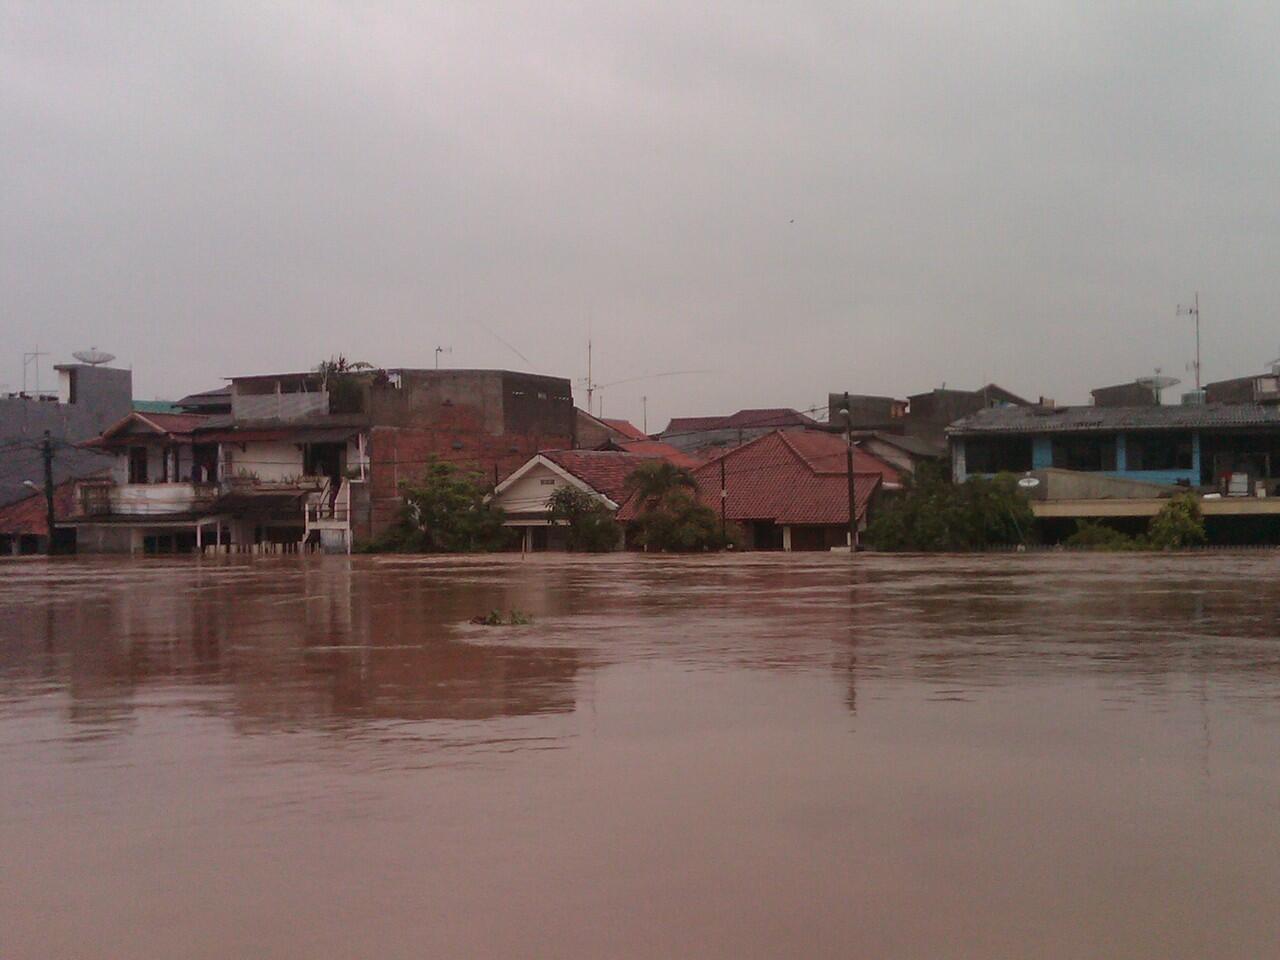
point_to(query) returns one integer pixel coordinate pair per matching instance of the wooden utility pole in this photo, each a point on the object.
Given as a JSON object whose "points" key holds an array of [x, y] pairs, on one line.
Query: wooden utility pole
{"points": [[853, 500], [724, 496], [46, 452]]}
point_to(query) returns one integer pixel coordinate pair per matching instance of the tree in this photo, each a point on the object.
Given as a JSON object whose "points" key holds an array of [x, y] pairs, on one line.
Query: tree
{"points": [[1178, 524], [590, 525], [341, 379], [671, 518], [1091, 535], [934, 514], [654, 480], [446, 512]]}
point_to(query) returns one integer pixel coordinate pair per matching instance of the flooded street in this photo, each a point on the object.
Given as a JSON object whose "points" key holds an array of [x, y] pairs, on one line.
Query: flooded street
{"points": [[762, 756]]}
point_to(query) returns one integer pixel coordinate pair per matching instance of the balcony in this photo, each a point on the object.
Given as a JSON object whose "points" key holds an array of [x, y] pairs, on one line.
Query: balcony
{"points": [[145, 499]]}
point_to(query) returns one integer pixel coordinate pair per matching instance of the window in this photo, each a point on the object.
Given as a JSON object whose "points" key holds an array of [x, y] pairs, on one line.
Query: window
{"points": [[137, 464], [1088, 453], [1158, 451], [548, 482], [997, 454]]}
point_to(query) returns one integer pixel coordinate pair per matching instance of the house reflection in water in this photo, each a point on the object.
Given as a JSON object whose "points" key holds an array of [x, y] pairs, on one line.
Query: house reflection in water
{"points": [[315, 645]]}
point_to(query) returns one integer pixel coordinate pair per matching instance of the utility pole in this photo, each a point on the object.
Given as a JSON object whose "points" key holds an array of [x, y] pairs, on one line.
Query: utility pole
{"points": [[1194, 311], [591, 387], [853, 500], [644, 415], [724, 497], [46, 452]]}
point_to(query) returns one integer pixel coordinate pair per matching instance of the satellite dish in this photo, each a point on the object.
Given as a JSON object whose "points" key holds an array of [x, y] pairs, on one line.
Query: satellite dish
{"points": [[1158, 382], [1029, 482], [93, 356]]}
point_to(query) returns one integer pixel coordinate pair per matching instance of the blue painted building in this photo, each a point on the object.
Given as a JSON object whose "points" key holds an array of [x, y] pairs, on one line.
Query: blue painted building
{"points": [[1195, 445]]}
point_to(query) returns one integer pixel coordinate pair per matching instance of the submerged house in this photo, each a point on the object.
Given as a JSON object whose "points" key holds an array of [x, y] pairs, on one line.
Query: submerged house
{"points": [[310, 459], [1107, 461], [524, 494], [789, 489]]}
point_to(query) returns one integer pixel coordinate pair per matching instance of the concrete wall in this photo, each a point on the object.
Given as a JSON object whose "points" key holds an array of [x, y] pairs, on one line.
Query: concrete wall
{"points": [[104, 395], [271, 461], [250, 407]]}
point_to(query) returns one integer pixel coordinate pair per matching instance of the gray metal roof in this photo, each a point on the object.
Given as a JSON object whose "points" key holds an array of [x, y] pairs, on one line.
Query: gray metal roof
{"points": [[1033, 420]]}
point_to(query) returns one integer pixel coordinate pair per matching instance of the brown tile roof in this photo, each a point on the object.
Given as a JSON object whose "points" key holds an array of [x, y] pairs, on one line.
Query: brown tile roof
{"points": [[604, 471], [786, 480], [657, 450], [624, 427]]}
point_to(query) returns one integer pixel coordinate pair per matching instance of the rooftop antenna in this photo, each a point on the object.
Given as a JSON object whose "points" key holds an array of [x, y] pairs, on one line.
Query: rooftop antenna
{"points": [[440, 350], [93, 356], [28, 359], [1194, 311]]}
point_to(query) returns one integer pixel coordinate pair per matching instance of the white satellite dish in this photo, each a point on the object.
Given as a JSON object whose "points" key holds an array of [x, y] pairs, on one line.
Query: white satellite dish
{"points": [[1157, 383], [93, 356], [1029, 482]]}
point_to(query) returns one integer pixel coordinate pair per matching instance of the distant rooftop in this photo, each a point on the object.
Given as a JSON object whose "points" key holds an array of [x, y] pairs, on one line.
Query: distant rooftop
{"points": [[1029, 420]]}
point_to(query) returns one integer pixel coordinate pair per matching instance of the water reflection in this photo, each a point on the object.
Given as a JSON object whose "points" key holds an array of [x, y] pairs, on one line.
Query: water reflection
{"points": [[1043, 756]]}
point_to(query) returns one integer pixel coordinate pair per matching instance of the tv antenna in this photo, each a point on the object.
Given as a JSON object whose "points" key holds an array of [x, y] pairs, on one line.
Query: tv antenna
{"points": [[27, 360], [1194, 311], [440, 350]]}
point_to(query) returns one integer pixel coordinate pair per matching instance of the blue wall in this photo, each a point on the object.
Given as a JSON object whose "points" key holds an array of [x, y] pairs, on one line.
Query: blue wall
{"points": [[1042, 459]]}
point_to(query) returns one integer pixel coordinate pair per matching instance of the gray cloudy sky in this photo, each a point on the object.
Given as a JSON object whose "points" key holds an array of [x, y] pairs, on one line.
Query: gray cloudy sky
{"points": [[794, 197]]}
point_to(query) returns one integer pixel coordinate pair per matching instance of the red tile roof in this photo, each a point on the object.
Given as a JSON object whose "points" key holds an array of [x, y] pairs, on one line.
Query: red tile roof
{"points": [[29, 515], [171, 424], [625, 427], [657, 450], [604, 471], [788, 477]]}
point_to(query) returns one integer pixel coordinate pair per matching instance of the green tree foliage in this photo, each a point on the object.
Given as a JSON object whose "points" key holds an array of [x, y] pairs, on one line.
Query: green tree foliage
{"points": [[589, 524], [446, 512], [343, 380], [934, 514], [671, 518], [1178, 524]]}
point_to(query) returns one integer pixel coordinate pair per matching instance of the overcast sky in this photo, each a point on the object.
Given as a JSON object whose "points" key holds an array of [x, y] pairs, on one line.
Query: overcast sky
{"points": [[795, 198]]}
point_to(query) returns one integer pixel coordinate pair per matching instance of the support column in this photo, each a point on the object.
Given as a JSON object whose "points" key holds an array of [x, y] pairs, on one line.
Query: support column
{"points": [[786, 539], [1122, 453]]}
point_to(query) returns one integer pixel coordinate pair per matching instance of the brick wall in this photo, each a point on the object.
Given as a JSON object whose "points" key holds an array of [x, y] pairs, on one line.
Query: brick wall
{"points": [[400, 454]]}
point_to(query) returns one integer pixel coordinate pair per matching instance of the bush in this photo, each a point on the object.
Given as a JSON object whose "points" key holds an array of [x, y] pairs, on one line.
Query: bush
{"points": [[934, 514], [1091, 535], [445, 512], [590, 525], [1178, 524]]}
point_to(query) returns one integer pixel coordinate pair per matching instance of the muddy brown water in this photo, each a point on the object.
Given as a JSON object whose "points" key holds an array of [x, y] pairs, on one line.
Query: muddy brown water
{"points": [[766, 756]]}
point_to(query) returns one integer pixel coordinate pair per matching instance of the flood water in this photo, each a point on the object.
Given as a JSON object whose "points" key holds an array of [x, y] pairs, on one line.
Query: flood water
{"points": [[764, 756]]}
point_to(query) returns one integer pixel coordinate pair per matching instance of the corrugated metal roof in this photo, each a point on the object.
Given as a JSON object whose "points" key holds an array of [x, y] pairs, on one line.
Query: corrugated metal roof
{"points": [[1033, 420]]}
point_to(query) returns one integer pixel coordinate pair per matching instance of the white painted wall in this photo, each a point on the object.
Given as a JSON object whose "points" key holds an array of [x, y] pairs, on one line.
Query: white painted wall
{"points": [[529, 493], [271, 460], [146, 499]]}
